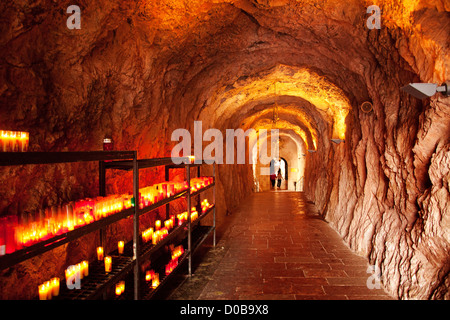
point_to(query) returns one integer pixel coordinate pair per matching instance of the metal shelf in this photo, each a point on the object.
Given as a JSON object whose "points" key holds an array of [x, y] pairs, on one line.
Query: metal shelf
{"points": [[148, 292], [196, 193], [98, 281], [95, 285], [162, 202], [199, 235], [54, 242], [148, 249], [143, 163]]}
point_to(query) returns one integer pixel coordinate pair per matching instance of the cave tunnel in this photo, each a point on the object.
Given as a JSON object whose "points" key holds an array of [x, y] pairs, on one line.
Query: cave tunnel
{"points": [[369, 160]]}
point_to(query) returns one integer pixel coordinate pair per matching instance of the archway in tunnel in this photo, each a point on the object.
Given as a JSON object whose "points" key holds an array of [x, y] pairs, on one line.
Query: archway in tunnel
{"points": [[284, 171], [279, 165], [289, 158]]}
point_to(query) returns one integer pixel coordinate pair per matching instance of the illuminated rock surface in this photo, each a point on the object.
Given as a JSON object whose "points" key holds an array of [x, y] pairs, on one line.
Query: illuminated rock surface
{"points": [[137, 70]]}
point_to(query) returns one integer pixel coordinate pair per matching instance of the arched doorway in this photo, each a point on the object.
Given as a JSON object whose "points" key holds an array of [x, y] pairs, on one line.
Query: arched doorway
{"points": [[284, 165], [275, 166]]}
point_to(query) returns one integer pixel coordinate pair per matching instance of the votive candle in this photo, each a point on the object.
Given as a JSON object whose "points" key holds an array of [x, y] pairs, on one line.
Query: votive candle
{"points": [[43, 291], [85, 268], [108, 264], [155, 280], [48, 286], [99, 253], [120, 246], [55, 286], [118, 289]]}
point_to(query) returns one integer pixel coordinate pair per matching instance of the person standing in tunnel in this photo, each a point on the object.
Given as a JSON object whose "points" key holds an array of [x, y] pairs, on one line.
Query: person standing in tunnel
{"points": [[273, 179], [273, 176], [279, 178]]}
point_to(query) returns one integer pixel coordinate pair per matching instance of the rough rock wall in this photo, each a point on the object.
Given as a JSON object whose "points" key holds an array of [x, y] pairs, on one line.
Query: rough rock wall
{"points": [[70, 89], [386, 189]]}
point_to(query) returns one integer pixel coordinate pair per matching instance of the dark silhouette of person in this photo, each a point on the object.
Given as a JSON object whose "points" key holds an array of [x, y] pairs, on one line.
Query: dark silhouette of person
{"points": [[279, 177]]}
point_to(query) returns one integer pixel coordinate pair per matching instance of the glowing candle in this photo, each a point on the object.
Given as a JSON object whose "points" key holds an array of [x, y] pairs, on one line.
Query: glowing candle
{"points": [[122, 286], [48, 286], [3, 140], [13, 141], [68, 210], [147, 234], [69, 272], [155, 237], [108, 264], [85, 268], [164, 190], [118, 290], [100, 253], [149, 275], [23, 141], [155, 280], [43, 292], [55, 286], [158, 224], [120, 246]]}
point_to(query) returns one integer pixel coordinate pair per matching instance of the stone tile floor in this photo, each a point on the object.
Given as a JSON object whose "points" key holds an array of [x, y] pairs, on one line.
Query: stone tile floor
{"points": [[275, 247]]}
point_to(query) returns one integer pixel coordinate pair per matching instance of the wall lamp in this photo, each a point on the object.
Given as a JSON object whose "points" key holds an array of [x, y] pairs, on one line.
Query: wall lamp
{"points": [[425, 90]]}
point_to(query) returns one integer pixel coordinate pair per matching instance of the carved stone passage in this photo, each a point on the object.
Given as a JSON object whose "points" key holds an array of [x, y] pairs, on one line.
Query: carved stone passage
{"points": [[137, 70]]}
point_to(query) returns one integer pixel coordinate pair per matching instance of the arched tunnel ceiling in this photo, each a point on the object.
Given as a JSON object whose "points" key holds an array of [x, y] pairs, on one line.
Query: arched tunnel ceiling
{"points": [[286, 133], [260, 51], [285, 125], [286, 115], [295, 110], [318, 28], [287, 81]]}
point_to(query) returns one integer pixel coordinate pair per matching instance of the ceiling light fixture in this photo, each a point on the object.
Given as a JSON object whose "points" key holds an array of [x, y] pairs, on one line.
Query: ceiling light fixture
{"points": [[425, 90]]}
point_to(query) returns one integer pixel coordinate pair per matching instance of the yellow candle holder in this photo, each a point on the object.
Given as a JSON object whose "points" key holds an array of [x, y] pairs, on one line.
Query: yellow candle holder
{"points": [[120, 246], [43, 291], [155, 280], [108, 264], [55, 286], [99, 253]]}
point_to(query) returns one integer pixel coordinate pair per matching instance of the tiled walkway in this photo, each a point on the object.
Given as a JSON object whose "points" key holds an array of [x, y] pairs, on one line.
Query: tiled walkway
{"points": [[273, 247]]}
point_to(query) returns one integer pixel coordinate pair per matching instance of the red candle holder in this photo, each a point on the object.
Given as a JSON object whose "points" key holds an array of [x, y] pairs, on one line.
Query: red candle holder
{"points": [[108, 144]]}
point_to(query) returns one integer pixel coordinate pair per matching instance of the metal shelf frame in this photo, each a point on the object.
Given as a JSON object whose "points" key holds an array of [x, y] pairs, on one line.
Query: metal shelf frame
{"points": [[98, 281], [197, 193], [33, 158], [142, 252]]}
